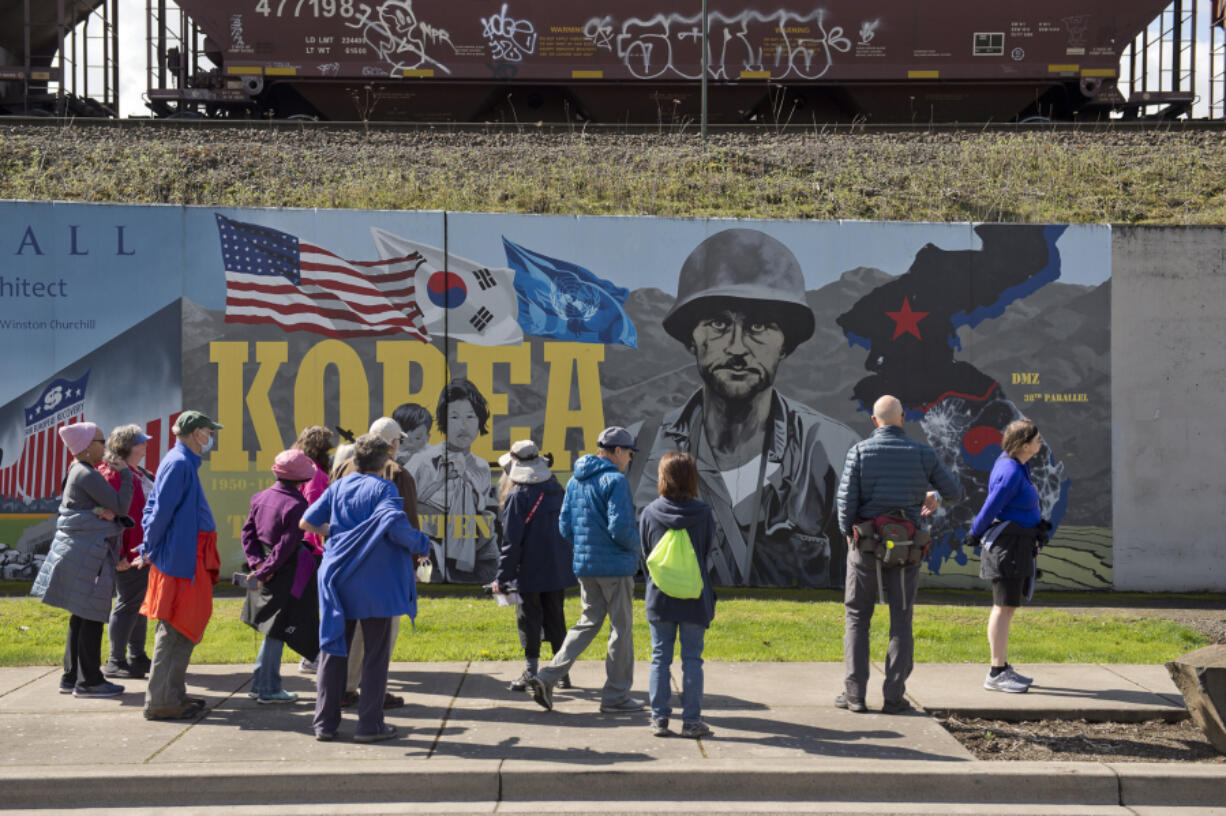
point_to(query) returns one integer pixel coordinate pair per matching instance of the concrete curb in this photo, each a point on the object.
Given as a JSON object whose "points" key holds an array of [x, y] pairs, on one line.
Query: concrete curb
{"points": [[1094, 714], [1083, 784]]}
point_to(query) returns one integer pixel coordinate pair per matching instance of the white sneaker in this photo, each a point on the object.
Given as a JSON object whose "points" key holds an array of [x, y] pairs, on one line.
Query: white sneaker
{"points": [[1021, 678], [307, 666], [1005, 681]]}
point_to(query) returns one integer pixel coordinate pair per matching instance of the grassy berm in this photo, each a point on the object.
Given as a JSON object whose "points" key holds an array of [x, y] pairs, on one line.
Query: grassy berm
{"points": [[1116, 175]]}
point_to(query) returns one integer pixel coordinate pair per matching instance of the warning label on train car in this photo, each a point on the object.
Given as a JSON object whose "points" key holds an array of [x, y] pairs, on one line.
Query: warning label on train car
{"points": [[991, 44]]}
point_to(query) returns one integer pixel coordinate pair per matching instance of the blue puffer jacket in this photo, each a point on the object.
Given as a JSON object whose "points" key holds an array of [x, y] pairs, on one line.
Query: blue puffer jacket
{"points": [[598, 519], [889, 471]]}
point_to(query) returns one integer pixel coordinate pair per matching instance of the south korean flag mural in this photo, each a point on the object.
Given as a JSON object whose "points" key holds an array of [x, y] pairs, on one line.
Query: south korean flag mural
{"points": [[459, 298]]}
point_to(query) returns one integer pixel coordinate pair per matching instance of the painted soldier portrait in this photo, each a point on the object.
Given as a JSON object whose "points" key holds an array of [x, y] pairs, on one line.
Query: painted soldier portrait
{"points": [[768, 465]]}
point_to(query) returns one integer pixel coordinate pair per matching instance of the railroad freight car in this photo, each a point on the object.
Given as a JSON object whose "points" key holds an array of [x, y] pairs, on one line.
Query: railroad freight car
{"points": [[641, 61], [636, 61]]}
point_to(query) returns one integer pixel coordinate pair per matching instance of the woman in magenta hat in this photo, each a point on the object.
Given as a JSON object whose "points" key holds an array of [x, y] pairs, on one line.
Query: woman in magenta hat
{"points": [[79, 573], [284, 605]]}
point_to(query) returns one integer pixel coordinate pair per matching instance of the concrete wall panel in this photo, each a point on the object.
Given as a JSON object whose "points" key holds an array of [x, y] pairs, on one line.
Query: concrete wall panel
{"points": [[1168, 373]]}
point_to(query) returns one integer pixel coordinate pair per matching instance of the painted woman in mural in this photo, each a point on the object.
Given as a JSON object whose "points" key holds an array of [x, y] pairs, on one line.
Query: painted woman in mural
{"points": [[455, 491], [909, 325], [768, 465]]}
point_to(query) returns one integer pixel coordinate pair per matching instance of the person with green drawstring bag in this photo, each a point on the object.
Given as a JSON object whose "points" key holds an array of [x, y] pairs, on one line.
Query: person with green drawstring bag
{"points": [[678, 531]]}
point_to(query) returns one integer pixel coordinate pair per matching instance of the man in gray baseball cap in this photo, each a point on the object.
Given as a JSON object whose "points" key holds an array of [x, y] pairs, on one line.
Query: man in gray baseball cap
{"points": [[768, 465], [597, 518]]}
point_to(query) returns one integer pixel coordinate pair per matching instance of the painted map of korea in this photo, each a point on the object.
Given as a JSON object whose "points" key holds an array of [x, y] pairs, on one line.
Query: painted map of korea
{"points": [[909, 327]]}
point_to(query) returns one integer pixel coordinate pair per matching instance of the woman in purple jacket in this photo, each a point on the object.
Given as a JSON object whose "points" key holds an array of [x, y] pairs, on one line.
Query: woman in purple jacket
{"points": [[1009, 531], [678, 508], [273, 544]]}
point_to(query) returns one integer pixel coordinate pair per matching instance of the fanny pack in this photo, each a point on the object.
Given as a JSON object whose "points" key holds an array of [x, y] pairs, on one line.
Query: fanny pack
{"points": [[892, 539]]}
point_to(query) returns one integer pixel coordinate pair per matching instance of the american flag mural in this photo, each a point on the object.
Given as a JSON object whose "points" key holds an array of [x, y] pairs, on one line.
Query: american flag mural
{"points": [[39, 469], [274, 277], [43, 461]]}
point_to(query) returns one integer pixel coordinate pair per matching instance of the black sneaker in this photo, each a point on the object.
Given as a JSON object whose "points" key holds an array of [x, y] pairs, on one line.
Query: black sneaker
{"points": [[140, 664], [900, 706], [564, 681], [541, 693], [103, 689], [850, 703], [521, 683], [121, 669], [386, 732]]}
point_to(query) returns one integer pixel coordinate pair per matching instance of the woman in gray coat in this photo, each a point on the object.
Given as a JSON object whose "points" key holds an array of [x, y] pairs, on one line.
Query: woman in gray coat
{"points": [[79, 573]]}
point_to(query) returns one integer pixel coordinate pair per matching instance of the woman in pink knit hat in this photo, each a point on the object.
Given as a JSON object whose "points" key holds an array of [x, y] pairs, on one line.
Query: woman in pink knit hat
{"points": [[284, 607], [79, 573]]}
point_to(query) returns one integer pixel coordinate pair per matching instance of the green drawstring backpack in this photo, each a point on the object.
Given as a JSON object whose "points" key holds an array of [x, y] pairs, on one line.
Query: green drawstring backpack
{"points": [[674, 566]]}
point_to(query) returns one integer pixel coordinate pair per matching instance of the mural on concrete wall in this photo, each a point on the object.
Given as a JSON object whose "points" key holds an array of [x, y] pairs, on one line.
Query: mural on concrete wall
{"points": [[757, 346]]}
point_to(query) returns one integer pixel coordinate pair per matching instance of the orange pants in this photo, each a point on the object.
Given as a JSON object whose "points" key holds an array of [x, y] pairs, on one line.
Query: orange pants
{"points": [[186, 603]]}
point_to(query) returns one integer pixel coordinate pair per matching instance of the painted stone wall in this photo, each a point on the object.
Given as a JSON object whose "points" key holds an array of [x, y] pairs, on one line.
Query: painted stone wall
{"points": [[756, 345]]}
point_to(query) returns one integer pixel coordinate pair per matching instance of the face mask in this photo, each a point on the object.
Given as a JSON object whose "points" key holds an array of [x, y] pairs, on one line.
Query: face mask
{"points": [[207, 446]]}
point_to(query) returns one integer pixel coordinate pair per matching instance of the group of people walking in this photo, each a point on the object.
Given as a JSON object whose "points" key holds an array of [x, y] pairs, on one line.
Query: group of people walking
{"points": [[334, 548]]}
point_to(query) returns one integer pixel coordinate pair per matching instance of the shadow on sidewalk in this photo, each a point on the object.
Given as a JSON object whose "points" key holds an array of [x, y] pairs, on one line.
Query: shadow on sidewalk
{"points": [[1138, 697]]}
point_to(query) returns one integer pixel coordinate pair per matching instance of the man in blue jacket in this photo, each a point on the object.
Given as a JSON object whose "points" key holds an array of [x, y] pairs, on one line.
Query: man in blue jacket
{"points": [[181, 547], [598, 519], [882, 474]]}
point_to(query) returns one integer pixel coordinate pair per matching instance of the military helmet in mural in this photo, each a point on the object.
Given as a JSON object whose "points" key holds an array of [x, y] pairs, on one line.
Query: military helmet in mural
{"points": [[738, 265]]}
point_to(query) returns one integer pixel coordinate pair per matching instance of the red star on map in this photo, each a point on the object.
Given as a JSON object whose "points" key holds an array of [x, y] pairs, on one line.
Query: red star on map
{"points": [[906, 321]]}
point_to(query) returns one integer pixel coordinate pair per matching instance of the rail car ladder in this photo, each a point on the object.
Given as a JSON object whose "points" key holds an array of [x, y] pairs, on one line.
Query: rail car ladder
{"points": [[174, 45], [61, 59], [1161, 65], [1217, 61], [91, 54]]}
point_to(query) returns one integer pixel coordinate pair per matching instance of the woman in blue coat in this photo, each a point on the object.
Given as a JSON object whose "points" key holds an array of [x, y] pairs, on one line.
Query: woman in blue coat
{"points": [[534, 560], [365, 578]]}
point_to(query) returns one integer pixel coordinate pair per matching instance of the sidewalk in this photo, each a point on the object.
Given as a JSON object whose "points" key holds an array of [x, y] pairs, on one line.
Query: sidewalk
{"points": [[468, 741]]}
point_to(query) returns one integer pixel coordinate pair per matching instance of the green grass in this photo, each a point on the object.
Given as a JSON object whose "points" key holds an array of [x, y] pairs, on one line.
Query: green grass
{"points": [[454, 627], [1113, 175]]}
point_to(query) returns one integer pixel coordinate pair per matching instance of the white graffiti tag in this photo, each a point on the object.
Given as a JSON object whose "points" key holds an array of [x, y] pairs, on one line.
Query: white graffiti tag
{"points": [[868, 30], [398, 38], [236, 33], [510, 39], [599, 32], [671, 45]]}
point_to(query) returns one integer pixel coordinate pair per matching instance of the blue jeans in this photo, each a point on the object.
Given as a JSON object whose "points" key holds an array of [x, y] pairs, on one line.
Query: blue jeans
{"points": [[659, 683], [266, 681]]}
